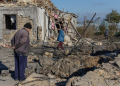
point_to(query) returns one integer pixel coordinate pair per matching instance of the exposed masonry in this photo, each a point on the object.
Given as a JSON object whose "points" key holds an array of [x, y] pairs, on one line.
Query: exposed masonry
{"points": [[24, 12]]}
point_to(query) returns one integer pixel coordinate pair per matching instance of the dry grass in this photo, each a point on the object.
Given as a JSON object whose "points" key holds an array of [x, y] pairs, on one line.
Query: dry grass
{"points": [[89, 33], [112, 29]]}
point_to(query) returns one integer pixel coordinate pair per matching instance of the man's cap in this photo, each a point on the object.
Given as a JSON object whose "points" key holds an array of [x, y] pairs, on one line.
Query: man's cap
{"points": [[28, 25]]}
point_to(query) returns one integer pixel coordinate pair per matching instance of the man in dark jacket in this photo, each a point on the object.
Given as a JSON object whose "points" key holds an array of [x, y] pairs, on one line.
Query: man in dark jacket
{"points": [[106, 25], [106, 33], [20, 44]]}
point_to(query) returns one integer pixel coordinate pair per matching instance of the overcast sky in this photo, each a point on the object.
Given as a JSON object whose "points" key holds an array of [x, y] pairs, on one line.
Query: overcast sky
{"points": [[88, 7]]}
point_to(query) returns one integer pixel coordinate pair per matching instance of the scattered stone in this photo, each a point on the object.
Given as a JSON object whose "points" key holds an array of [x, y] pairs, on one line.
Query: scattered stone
{"points": [[38, 70], [111, 62], [117, 73], [67, 52], [4, 73], [29, 60], [118, 62], [47, 53], [89, 52], [50, 76], [90, 79], [70, 44], [91, 61], [67, 39], [65, 43], [45, 61], [98, 43], [50, 55], [2, 5], [118, 56], [35, 45], [70, 81]]}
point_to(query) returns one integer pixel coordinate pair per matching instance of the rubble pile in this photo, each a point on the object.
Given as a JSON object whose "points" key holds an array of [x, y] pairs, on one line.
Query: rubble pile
{"points": [[107, 74], [67, 62], [103, 76], [81, 66], [66, 66]]}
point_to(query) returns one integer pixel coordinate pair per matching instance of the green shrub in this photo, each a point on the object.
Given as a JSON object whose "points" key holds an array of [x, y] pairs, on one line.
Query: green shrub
{"points": [[112, 29], [97, 33]]}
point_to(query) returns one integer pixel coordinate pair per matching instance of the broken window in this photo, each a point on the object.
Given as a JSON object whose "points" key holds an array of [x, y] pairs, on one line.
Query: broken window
{"points": [[10, 22]]}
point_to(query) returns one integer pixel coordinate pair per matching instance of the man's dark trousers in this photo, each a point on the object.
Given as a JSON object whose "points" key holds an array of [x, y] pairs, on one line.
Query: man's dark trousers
{"points": [[20, 65]]}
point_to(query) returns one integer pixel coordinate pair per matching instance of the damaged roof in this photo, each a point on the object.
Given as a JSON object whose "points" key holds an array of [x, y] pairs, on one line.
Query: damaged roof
{"points": [[46, 4]]}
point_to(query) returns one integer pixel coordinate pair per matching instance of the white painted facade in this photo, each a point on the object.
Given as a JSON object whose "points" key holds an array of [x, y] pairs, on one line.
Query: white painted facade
{"points": [[43, 22]]}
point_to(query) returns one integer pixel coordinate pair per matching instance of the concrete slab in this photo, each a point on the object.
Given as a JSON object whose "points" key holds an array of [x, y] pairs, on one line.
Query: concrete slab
{"points": [[37, 79], [42, 80]]}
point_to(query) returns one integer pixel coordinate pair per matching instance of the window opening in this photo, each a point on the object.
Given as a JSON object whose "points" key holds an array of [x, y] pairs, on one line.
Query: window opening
{"points": [[10, 22]]}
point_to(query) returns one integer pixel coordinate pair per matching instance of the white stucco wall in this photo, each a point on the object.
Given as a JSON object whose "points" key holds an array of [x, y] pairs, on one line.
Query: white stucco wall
{"points": [[41, 13], [47, 26]]}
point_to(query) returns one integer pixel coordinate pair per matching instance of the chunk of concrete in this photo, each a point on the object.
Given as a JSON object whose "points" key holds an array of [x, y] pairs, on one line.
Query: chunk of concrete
{"points": [[70, 44], [67, 39], [70, 81], [4, 73], [67, 52], [50, 55], [118, 63], [46, 53]]}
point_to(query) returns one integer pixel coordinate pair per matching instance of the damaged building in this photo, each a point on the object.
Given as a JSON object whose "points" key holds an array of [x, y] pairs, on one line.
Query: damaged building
{"points": [[46, 19]]}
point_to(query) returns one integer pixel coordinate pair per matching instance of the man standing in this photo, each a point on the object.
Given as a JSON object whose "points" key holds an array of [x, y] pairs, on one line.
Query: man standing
{"points": [[106, 25], [106, 33], [20, 44]]}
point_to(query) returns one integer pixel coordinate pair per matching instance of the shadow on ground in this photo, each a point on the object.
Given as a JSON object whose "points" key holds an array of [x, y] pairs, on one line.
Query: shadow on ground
{"points": [[2, 67]]}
